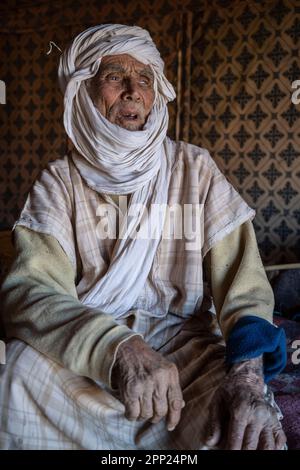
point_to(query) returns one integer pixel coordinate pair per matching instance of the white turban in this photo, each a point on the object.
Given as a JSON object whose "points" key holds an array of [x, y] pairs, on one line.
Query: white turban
{"points": [[115, 160]]}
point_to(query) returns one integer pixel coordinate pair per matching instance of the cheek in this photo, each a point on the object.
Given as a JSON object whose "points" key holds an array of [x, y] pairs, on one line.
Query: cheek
{"points": [[107, 96], [149, 101]]}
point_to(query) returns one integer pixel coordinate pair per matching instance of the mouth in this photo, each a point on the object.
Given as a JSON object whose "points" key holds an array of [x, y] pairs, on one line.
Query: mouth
{"points": [[129, 115]]}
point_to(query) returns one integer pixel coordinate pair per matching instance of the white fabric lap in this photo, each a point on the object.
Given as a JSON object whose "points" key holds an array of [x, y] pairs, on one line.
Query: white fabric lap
{"points": [[44, 406]]}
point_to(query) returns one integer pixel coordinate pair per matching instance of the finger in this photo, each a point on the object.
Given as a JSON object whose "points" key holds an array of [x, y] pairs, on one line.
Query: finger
{"points": [[214, 428], [131, 398], [160, 408], [146, 403], [175, 402], [280, 439], [236, 430], [251, 437], [160, 401], [132, 409], [266, 439]]}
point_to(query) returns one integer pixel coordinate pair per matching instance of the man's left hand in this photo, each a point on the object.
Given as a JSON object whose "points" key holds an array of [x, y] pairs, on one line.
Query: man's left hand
{"points": [[240, 417]]}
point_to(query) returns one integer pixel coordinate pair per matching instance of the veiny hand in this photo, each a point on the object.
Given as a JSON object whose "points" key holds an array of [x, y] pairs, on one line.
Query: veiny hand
{"points": [[252, 423], [148, 383]]}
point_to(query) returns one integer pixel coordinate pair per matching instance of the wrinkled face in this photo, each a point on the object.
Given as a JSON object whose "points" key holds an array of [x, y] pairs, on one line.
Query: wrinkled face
{"points": [[122, 90]]}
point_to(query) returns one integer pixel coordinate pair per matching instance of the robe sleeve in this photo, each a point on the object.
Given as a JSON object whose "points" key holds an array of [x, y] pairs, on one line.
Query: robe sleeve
{"points": [[40, 307], [244, 301]]}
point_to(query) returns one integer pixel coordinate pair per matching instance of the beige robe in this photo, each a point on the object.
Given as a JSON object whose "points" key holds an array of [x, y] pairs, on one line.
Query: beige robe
{"points": [[55, 389]]}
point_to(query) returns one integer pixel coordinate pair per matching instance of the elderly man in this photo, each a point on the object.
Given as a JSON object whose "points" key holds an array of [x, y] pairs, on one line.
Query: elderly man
{"points": [[125, 341]]}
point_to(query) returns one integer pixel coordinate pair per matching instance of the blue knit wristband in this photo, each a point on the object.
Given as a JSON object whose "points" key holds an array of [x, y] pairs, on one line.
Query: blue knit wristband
{"points": [[253, 336]]}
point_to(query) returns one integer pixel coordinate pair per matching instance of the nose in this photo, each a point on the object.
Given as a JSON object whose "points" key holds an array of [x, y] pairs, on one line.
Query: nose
{"points": [[131, 92]]}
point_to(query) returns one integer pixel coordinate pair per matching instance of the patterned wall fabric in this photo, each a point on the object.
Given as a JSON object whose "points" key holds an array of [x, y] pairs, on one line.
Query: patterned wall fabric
{"points": [[232, 64], [244, 58], [31, 131]]}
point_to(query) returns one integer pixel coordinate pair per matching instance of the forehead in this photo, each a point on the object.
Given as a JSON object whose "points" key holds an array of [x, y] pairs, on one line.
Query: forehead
{"points": [[124, 61]]}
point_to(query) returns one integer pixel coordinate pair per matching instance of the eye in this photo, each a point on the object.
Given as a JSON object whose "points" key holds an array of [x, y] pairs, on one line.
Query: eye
{"points": [[145, 81], [114, 77]]}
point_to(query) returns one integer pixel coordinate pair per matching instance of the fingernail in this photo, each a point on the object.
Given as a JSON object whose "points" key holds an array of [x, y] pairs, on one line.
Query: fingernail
{"points": [[171, 428]]}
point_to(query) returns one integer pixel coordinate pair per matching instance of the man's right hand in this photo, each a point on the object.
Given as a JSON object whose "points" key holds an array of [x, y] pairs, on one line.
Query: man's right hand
{"points": [[148, 383]]}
